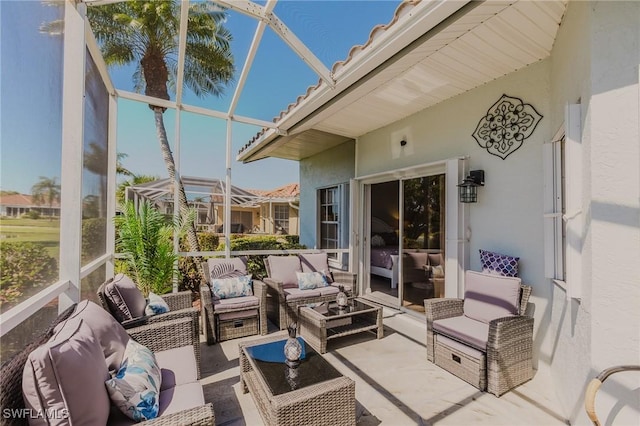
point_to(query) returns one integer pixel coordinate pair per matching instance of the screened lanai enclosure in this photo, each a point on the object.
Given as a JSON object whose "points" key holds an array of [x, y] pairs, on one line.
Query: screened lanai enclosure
{"points": [[93, 102]]}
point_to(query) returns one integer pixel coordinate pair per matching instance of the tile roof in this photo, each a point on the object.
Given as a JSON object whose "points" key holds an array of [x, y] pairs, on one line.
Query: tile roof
{"points": [[23, 200], [286, 191]]}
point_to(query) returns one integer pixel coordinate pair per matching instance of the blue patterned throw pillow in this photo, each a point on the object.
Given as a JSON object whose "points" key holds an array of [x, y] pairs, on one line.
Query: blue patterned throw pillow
{"points": [[499, 264], [156, 305], [227, 288], [135, 387], [311, 280]]}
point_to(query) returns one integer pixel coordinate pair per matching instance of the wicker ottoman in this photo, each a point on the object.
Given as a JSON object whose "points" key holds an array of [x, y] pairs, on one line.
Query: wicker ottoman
{"points": [[233, 325], [463, 361]]}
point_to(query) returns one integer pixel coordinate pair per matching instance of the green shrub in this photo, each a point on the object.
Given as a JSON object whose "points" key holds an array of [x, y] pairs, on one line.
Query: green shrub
{"points": [[190, 272], [24, 266], [32, 214], [190, 276], [94, 242], [255, 264]]}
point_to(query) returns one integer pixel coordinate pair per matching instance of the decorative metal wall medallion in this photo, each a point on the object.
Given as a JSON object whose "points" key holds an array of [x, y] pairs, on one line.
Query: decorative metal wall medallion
{"points": [[506, 125]]}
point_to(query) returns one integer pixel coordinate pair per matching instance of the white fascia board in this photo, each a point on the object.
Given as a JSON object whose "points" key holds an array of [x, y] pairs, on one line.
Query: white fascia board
{"points": [[269, 136], [424, 17]]}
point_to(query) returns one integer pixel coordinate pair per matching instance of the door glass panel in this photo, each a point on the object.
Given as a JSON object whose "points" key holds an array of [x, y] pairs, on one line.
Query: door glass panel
{"points": [[384, 243], [422, 240]]}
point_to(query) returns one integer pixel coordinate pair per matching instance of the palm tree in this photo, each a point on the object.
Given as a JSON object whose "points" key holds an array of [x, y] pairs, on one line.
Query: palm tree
{"points": [[120, 168], [46, 190], [146, 33]]}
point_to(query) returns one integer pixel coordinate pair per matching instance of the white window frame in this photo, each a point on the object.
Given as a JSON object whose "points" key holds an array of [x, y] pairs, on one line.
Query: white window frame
{"points": [[337, 203], [281, 216], [341, 203], [563, 212]]}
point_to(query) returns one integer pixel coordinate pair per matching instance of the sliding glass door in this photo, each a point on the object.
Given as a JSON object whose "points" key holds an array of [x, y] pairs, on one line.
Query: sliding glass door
{"points": [[422, 204], [406, 241]]}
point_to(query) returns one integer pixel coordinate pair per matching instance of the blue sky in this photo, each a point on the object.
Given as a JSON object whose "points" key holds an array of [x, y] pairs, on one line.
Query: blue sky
{"points": [[329, 29]]}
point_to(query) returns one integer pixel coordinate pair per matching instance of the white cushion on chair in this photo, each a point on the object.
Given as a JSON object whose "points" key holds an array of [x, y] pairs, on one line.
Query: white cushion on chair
{"points": [[464, 329], [488, 296], [283, 269], [316, 262]]}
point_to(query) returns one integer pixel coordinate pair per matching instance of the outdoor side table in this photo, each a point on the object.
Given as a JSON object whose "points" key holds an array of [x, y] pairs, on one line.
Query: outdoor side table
{"points": [[321, 323], [312, 393]]}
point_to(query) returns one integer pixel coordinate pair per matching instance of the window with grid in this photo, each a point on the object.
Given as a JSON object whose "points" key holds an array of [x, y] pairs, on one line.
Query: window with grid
{"points": [[281, 218], [330, 219]]}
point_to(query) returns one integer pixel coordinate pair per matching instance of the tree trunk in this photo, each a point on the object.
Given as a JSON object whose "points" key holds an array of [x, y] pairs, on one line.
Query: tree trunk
{"points": [[192, 237]]}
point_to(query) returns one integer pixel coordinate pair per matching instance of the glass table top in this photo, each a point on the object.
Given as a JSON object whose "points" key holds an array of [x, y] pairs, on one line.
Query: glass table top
{"points": [[269, 360], [331, 309]]}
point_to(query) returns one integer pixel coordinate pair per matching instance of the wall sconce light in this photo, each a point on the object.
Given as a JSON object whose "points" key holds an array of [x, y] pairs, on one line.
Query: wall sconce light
{"points": [[468, 188], [403, 142]]}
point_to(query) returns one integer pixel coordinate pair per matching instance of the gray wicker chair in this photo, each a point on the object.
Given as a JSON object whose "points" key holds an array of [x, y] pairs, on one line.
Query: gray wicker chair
{"points": [[180, 306], [157, 337], [496, 362], [229, 322], [283, 310]]}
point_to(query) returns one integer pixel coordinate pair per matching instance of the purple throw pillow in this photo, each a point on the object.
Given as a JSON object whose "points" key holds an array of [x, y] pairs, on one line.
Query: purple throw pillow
{"points": [[499, 264]]}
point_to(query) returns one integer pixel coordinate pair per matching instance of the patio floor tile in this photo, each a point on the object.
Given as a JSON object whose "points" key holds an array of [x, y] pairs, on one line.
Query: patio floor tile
{"points": [[395, 384]]}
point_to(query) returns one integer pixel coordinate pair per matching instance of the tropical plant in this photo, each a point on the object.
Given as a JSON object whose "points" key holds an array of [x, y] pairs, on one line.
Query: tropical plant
{"points": [[146, 33], [145, 238], [46, 191]]}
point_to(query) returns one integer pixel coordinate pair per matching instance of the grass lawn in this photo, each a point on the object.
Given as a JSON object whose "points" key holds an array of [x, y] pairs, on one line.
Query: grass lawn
{"points": [[44, 231]]}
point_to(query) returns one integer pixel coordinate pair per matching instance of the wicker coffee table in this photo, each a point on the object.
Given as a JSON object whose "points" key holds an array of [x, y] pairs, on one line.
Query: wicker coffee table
{"points": [[323, 322], [312, 393]]}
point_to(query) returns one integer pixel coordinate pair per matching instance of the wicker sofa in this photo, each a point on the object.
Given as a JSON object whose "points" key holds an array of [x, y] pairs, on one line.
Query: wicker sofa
{"points": [[485, 339], [283, 295], [124, 301], [234, 317], [63, 371]]}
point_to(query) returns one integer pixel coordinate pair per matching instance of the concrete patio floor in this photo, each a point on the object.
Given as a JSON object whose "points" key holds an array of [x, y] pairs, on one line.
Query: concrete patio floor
{"points": [[395, 384]]}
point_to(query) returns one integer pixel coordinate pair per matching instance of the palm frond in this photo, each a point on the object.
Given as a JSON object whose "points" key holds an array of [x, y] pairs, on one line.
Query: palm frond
{"points": [[146, 239]]}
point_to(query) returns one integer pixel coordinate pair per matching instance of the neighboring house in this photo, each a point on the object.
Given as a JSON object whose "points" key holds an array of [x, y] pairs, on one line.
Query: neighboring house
{"points": [[421, 104], [279, 210], [252, 211], [15, 205]]}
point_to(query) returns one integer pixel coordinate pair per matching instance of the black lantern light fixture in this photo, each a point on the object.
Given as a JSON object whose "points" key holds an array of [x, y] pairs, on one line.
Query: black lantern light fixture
{"points": [[468, 188]]}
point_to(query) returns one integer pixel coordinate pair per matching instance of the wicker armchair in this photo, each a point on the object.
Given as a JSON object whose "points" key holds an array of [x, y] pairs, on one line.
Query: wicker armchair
{"points": [[485, 339], [158, 337], [231, 318], [180, 306], [284, 298]]}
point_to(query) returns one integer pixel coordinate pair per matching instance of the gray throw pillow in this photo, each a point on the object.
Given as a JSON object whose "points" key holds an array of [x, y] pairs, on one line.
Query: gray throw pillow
{"points": [[124, 298]]}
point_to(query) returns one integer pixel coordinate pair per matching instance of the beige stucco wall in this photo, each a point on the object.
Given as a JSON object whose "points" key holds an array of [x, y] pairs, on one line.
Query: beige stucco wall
{"points": [[595, 62], [508, 215], [331, 167]]}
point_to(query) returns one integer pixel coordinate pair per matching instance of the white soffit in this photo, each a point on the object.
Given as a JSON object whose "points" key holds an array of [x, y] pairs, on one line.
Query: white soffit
{"points": [[488, 41]]}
